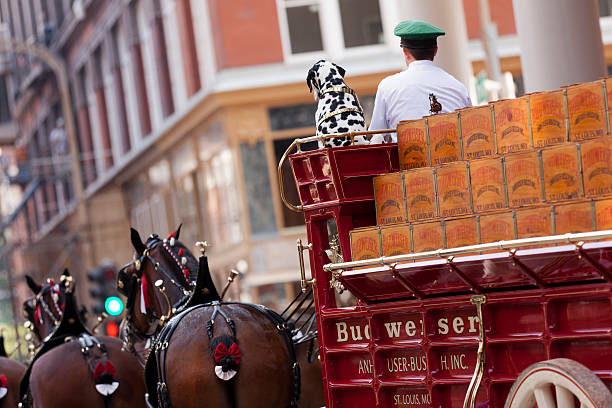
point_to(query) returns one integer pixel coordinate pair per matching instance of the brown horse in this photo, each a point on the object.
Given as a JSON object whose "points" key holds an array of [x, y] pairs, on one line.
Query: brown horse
{"points": [[10, 374], [206, 352], [74, 368]]}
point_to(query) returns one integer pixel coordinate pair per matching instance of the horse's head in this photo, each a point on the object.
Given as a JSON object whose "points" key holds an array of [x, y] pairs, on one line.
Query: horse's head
{"points": [[45, 309], [156, 283]]}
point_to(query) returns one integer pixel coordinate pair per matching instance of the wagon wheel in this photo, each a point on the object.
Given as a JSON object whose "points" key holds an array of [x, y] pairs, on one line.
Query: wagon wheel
{"points": [[558, 383]]}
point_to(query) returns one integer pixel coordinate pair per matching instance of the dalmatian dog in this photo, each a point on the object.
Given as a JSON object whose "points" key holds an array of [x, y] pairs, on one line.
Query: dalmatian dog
{"points": [[338, 109]]}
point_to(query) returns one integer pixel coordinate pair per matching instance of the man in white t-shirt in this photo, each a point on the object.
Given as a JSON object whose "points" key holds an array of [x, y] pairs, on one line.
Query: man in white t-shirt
{"points": [[420, 90]]}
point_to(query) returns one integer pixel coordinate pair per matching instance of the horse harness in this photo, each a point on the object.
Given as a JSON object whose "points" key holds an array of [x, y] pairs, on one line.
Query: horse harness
{"points": [[341, 89], [70, 328], [128, 284], [155, 369]]}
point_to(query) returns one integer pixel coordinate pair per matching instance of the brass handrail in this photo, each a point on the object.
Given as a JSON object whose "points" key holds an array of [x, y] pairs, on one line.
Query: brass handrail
{"points": [[316, 138], [303, 281], [470, 397], [500, 245]]}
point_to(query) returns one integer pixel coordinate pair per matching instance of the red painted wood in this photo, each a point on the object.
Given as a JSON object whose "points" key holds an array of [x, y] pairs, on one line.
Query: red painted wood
{"points": [[394, 349]]}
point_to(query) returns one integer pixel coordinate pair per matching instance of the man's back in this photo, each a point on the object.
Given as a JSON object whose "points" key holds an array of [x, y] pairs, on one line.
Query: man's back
{"points": [[405, 96]]}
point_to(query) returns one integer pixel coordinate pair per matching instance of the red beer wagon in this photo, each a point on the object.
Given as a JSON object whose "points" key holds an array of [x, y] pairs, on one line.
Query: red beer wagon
{"points": [[449, 327]]}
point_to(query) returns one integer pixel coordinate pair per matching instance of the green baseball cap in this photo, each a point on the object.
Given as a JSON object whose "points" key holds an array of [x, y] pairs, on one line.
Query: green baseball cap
{"points": [[417, 34]]}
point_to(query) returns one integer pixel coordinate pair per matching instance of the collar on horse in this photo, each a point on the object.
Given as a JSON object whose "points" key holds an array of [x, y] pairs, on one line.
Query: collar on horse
{"points": [[340, 89]]}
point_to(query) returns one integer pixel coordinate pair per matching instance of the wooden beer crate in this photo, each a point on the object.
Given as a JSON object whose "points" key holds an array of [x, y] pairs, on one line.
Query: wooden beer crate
{"points": [[596, 159], [561, 173], [461, 232], [427, 236], [496, 227], [390, 198], [395, 239], [365, 243], [512, 129], [586, 111], [574, 217], [524, 183], [487, 185], [548, 115], [412, 144], [477, 133], [420, 188], [534, 222], [444, 138], [453, 184]]}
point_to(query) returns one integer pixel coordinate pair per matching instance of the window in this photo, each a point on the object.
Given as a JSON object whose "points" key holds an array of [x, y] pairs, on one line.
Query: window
{"points": [[257, 189], [183, 166], [605, 8], [290, 218], [304, 26], [361, 22], [5, 112], [309, 26], [219, 192]]}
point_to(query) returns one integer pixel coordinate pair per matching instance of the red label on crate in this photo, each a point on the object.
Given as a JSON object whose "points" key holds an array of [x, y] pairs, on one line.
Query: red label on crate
{"points": [[453, 190], [586, 111], [420, 194], [395, 240], [547, 118], [603, 214], [560, 168], [461, 232], [487, 181], [511, 125], [389, 193], [597, 166], [534, 222], [444, 138], [365, 244], [412, 144], [496, 227], [477, 132], [573, 218], [523, 179], [427, 236]]}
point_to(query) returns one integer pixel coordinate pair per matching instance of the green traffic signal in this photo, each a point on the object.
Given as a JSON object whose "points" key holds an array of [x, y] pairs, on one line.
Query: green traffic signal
{"points": [[113, 306]]}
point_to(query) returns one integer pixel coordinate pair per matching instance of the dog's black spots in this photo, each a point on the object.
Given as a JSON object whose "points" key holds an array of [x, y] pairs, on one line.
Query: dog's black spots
{"points": [[355, 104], [352, 122], [334, 105], [333, 125], [343, 129], [335, 81], [327, 102], [344, 115]]}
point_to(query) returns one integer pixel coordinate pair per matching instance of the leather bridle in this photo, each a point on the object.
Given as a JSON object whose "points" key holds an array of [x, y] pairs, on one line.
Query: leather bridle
{"points": [[32, 303], [127, 284]]}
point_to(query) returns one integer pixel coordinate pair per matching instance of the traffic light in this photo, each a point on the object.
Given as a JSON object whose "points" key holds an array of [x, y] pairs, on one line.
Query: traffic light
{"points": [[103, 291], [111, 327]]}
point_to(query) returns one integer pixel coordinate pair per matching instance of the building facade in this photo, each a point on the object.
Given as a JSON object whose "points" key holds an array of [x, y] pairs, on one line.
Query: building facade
{"points": [[183, 109]]}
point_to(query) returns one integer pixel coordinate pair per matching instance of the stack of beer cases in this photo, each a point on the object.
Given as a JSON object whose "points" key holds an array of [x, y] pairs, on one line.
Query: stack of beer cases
{"points": [[532, 166]]}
